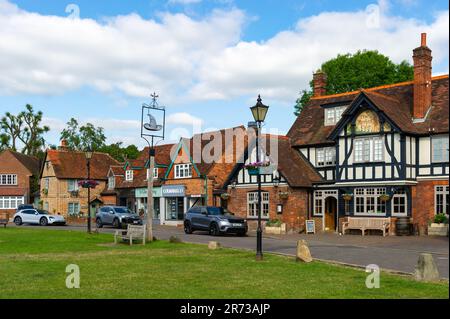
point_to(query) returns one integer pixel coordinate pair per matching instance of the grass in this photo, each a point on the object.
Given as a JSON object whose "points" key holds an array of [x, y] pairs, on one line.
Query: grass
{"points": [[33, 263]]}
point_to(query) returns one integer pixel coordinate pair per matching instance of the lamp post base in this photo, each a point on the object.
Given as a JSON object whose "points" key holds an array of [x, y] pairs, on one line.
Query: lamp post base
{"points": [[259, 256]]}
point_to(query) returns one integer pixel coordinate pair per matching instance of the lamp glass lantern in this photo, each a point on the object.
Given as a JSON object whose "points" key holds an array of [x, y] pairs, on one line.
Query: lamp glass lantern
{"points": [[259, 111], [88, 154]]}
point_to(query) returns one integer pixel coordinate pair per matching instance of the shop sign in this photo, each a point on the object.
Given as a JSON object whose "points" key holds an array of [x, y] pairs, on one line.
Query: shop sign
{"points": [[173, 191], [142, 192]]}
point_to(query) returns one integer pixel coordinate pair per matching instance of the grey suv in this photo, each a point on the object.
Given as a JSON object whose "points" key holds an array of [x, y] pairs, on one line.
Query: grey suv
{"points": [[117, 216], [215, 220]]}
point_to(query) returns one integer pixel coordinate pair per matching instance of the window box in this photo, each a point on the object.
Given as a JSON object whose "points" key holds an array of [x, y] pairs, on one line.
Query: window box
{"points": [[253, 171], [384, 197], [74, 193], [438, 229], [88, 183], [347, 197], [275, 227], [283, 195]]}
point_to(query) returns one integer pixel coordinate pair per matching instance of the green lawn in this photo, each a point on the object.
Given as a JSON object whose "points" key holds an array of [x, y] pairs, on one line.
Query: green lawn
{"points": [[33, 262]]}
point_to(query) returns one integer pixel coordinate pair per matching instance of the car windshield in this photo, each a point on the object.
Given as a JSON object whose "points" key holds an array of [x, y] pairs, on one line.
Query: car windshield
{"points": [[42, 212], [215, 211], [123, 210]]}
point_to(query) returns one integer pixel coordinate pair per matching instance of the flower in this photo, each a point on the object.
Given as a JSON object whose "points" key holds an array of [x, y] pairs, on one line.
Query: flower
{"points": [[257, 164], [88, 183]]}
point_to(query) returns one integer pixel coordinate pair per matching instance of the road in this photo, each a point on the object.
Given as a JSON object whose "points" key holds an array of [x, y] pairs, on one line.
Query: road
{"points": [[390, 253]]}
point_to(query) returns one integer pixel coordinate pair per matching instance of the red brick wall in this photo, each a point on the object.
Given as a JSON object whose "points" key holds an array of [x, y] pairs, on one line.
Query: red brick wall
{"points": [[294, 207], [423, 202], [10, 165]]}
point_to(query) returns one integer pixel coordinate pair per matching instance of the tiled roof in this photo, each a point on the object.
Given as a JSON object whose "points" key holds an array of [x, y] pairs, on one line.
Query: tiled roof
{"points": [[395, 101], [72, 165], [30, 162]]}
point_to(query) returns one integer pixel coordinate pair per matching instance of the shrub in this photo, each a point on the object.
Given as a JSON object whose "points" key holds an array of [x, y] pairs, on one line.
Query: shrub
{"points": [[440, 219], [274, 223]]}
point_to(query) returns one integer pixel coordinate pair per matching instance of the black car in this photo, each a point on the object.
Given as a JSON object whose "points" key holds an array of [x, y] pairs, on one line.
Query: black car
{"points": [[215, 220], [24, 206]]}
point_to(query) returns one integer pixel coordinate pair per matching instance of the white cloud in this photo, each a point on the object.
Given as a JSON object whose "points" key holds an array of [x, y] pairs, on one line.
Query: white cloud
{"points": [[184, 2], [202, 59], [183, 118]]}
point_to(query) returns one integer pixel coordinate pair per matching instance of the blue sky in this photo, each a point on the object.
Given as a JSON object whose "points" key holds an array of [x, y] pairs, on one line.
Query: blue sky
{"points": [[208, 60]]}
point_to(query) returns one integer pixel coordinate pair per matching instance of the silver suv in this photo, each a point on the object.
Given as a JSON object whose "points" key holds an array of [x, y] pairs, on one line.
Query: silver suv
{"points": [[215, 220], [117, 216]]}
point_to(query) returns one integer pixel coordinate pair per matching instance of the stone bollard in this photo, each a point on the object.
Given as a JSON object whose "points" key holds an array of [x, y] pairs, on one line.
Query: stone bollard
{"points": [[213, 245], [174, 240], [303, 253], [426, 269]]}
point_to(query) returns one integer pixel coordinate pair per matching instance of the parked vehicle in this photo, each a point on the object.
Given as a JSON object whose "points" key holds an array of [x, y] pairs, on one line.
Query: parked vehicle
{"points": [[215, 220], [116, 216], [24, 206], [37, 216]]}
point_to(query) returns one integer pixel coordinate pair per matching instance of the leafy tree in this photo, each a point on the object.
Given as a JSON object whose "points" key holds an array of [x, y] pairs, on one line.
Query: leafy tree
{"points": [[24, 129], [121, 153], [80, 138], [364, 69]]}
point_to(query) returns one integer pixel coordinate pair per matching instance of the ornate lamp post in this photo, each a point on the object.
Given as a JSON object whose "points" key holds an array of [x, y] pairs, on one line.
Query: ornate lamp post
{"points": [[259, 112], [88, 155], [149, 132]]}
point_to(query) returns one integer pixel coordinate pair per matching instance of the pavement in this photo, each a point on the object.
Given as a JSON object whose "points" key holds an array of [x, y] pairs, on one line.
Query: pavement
{"points": [[393, 253]]}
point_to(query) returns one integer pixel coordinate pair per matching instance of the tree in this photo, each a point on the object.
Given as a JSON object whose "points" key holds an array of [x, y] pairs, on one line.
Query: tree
{"points": [[121, 153], [364, 69], [80, 138], [23, 129]]}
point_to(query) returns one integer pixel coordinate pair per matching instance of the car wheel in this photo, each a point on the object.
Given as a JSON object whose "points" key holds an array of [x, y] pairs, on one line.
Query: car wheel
{"points": [[214, 230], [188, 228], [43, 221], [99, 223], [116, 223], [18, 221]]}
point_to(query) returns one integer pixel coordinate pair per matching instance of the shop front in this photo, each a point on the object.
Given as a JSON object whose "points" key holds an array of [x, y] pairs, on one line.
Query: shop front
{"points": [[175, 204], [141, 202]]}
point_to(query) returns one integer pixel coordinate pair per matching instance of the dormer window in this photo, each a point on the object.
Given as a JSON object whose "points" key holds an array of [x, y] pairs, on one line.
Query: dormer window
{"points": [[155, 172], [333, 114], [111, 182], [183, 171], [129, 175]]}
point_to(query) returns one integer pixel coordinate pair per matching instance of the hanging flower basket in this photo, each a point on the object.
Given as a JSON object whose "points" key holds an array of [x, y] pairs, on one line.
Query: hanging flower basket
{"points": [[384, 197], [283, 195], [225, 196], [347, 197], [254, 168], [87, 183]]}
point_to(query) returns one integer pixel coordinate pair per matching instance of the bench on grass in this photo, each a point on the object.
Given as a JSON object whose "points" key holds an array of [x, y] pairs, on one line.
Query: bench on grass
{"points": [[367, 223], [133, 232], [4, 219]]}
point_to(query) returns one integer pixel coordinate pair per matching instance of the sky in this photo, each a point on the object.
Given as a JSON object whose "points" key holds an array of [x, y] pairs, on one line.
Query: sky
{"points": [[99, 61]]}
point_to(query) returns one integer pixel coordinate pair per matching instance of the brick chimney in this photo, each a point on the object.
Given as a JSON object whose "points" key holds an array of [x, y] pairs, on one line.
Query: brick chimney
{"points": [[320, 83], [422, 79], [63, 146]]}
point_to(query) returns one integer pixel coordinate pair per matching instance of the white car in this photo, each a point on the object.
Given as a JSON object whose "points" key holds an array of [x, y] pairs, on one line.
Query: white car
{"points": [[37, 216]]}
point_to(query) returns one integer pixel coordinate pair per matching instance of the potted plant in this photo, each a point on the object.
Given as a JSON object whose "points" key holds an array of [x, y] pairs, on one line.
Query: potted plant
{"points": [[439, 226], [384, 197], [254, 168], [88, 183], [74, 193], [347, 196], [225, 196], [283, 195], [275, 227]]}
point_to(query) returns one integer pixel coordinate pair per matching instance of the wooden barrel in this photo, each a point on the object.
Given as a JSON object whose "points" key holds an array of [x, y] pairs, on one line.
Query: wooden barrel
{"points": [[402, 226]]}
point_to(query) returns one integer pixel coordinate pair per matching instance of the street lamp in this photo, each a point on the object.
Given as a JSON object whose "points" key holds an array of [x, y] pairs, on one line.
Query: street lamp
{"points": [[259, 112], [88, 155], [151, 130]]}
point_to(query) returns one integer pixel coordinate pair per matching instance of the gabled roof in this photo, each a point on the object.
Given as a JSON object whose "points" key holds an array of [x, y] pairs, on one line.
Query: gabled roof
{"points": [[31, 163], [394, 100], [72, 165], [163, 154]]}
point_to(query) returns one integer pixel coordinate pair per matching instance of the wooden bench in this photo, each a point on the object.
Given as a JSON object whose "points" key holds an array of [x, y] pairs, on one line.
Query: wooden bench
{"points": [[367, 223], [4, 219], [133, 232]]}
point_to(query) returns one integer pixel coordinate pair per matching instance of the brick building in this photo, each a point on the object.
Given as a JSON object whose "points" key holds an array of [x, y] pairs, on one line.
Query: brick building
{"points": [[390, 140], [19, 177], [286, 185], [60, 173]]}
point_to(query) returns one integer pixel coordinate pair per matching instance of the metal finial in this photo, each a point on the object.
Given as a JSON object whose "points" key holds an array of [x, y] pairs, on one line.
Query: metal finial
{"points": [[154, 97], [259, 98]]}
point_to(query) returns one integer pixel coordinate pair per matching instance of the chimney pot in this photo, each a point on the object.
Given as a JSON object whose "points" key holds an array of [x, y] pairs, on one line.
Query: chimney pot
{"points": [[422, 79], [423, 42]]}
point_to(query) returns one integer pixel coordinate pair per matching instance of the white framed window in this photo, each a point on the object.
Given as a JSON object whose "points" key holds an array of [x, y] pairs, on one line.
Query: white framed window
{"points": [[183, 170], [111, 182], [252, 204], [441, 201], [155, 172], [368, 150], [333, 114], [368, 202], [129, 175], [11, 202], [326, 156], [8, 179], [72, 185], [399, 203], [73, 209], [439, 149]]}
